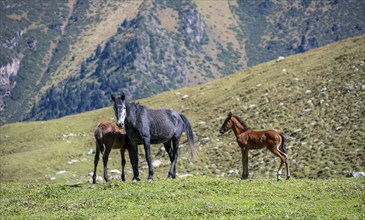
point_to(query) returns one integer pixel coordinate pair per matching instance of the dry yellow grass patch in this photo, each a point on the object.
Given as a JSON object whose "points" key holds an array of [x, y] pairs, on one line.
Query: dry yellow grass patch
{"points": [[219, 19], [168, 17], [95, 34]]}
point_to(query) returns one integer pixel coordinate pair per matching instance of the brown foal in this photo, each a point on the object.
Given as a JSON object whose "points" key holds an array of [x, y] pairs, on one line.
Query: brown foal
{"points": [[249, 139], [108, 137]]}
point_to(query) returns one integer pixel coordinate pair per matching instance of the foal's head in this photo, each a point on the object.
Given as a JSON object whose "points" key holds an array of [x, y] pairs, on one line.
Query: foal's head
{"points": [[227, 125], [120, 109], [230, 121]]}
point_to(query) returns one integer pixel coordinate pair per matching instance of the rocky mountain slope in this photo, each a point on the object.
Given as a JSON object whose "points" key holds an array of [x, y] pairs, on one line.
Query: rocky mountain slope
{"points": [[60, 58], [316, 98]]}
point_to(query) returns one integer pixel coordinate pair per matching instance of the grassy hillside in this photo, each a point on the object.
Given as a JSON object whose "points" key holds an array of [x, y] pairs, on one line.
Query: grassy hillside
{"points": [[276, 28], [187, 198], [316, 98], [57, 56]]}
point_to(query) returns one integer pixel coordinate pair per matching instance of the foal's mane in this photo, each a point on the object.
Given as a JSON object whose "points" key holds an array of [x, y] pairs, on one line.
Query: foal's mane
{"points": [[241, 122]]}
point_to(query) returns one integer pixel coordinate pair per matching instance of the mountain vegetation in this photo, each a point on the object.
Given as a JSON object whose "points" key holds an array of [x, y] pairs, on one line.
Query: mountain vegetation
{"points": [[64, 57], [316, 98]]}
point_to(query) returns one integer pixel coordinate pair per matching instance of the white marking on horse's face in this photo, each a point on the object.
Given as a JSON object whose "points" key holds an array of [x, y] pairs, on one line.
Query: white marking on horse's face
{"points": [[122, 114]]}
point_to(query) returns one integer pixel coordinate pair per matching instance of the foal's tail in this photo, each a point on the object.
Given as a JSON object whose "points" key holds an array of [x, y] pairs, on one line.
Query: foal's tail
{"points": [[190, 135], [282, 146], [99, 138]]}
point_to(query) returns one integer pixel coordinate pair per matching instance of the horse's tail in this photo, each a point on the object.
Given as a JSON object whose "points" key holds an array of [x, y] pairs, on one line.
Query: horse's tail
{"points": [[282, 146], [190, 136], [99, 138]]}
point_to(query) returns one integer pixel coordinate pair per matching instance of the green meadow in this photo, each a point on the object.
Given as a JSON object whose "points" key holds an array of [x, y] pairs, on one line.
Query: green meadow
{"points": [[315, 98], [187, 198]]}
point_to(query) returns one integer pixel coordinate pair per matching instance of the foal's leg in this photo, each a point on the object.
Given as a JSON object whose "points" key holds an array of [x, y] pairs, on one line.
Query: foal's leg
{"points": [[287, 168], [105, 161], [244, 163], [146, 144], [96, 161], [286, 161], [275, 151], [278, 174], [122, 155]]}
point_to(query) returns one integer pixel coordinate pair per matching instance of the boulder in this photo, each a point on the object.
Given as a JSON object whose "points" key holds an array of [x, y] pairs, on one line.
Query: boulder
{"points": [[156, 163], [98, 179], [185, 175], [280, 58], [185, 97], [61, 172], [115, 171], [73, 161], [356, 174]]}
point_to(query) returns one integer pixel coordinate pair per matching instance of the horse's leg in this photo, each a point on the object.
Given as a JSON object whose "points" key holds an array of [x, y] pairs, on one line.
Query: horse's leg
{"points": [[169, 151], [282, 150], [284, 160], [147, 149], [278, 174], [105, 161], [244, 163], [133, 157], [287, 167], [96, 161], [122, 155], [175, 150], [275, 151]]}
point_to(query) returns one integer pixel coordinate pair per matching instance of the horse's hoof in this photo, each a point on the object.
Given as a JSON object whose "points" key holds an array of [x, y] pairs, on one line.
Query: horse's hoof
{"points": [[136, 180], [287, 178], [149, 180], [171, 176]]}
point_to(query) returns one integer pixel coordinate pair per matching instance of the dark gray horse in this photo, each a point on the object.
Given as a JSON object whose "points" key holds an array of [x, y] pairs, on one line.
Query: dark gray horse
{"points": [[154, 126]]}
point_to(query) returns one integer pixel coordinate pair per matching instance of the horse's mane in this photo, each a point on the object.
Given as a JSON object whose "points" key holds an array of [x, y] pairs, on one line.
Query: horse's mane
{"points": [[138, 105], [241, 121]]}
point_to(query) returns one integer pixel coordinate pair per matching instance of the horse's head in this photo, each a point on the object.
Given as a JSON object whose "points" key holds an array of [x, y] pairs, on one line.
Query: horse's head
{"points": [[227, 125], [119, 109]]}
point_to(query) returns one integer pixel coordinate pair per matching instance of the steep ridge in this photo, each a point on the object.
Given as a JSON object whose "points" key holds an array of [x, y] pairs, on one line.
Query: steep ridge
{"points": [[26, 38], [315, 98], [50, 40], [146, 56], [75, 51]]}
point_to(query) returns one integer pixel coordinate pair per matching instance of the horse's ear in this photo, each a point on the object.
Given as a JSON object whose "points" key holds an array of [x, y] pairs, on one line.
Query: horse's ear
{"points": [[123, 96], [230, 114], [113, 97]]}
